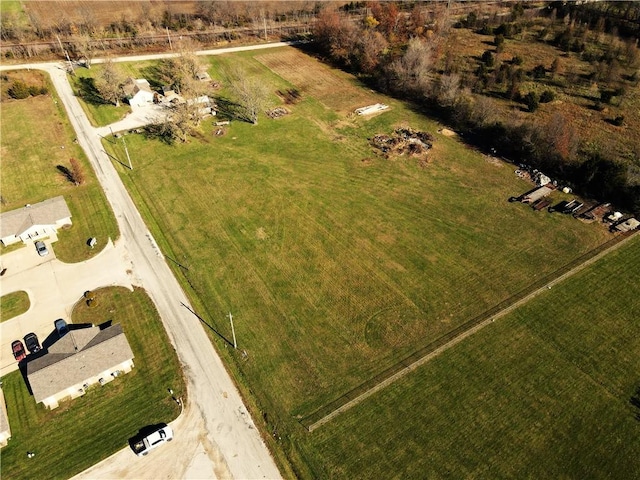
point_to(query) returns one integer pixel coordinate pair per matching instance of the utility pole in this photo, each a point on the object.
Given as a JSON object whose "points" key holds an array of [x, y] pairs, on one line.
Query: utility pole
{"points": [[169, 37], [127, 151], [233, 331], [67, 55], [264, 21]]}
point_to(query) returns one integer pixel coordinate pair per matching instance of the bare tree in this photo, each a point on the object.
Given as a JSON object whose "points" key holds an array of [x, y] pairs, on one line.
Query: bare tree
{"points": [[109, 82], [411, 71], [448, 89], [76, 172]]}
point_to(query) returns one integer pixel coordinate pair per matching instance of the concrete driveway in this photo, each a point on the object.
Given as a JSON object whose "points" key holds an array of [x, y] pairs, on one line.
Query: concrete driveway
{"points": [[139, 117], [54, 288]]}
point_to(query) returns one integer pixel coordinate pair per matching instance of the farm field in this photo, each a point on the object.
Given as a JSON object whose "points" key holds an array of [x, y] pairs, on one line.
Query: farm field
{"points": [[335, 261], [547, 392], [36, 139], [84, 431]]}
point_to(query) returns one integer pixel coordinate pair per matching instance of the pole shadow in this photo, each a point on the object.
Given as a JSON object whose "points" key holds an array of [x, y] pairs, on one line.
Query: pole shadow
{"points": [[225, 339]]}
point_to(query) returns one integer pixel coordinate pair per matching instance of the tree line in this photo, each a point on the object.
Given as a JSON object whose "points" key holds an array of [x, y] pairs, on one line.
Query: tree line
{"points": [[404, 54]]}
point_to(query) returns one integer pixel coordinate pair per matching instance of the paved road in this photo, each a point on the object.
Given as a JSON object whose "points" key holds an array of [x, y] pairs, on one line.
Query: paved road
{"points": [[215, 436]]}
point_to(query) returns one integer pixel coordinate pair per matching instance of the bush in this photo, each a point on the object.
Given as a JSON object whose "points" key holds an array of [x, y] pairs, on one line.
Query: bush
{"points": [[547, 96], [498, 40], [487, 58], [19, 90], [606, 96], [539, 71], [532, 101], [618, 121], [517, 60]]}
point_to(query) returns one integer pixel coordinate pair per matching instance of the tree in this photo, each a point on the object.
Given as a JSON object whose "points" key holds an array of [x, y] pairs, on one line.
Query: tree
{"points": [[532, 101], [448, 89], [411, 71], [251, 94], [109, 82], [368, 50], [76, 172]]}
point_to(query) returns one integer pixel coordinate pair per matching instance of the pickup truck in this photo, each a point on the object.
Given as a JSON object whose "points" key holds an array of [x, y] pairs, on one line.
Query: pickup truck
{"points": [[153, 440]]}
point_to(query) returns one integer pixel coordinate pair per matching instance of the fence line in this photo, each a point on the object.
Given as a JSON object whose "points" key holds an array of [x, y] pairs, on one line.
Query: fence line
{"points": [[429, 351]]}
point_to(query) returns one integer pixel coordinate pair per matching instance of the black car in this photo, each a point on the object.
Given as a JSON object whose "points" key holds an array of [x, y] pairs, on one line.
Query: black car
{"points": [[32, 343]]}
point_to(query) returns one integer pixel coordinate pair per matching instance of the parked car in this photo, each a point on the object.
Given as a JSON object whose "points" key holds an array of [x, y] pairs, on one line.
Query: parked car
{"points": [[32, 343], [41, 248], [18, 350], [61, 327], [153, 440]]}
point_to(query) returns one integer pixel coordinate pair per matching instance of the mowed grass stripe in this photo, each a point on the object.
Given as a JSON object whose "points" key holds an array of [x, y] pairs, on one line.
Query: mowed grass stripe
{"points": [[282, 224], [452, 338], [543, 394]]}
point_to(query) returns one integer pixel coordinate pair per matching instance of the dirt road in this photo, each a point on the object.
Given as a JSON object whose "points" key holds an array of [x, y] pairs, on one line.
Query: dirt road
{"points": [[215, 435]]}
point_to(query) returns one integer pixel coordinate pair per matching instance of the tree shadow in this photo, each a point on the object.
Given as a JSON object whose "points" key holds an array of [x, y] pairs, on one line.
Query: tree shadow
{"points": [[635, 402], [156, 76], [230, 110], [66, 173], [89, 92]]}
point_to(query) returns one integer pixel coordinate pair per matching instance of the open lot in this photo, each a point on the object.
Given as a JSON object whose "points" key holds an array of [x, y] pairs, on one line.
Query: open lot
{"points": [[36, 139], [544, 393], [83, 431], [335, 261]]}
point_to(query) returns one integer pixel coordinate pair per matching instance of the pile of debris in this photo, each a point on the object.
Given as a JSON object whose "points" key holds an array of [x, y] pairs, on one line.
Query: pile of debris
{"points": [[404, 140], [290, 96], [277, 112]]}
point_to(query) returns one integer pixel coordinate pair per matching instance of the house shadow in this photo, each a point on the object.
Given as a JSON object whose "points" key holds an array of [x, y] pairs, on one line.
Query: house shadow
{"points": [[22, 366]]}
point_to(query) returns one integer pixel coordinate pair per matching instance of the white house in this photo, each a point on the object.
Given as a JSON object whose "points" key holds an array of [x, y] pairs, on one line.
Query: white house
{"points": [[32, 222], [138, 92], [83, 357]]}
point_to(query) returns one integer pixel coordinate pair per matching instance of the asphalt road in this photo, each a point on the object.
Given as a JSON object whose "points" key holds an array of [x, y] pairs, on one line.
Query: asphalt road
{"points": [[215, 435]]}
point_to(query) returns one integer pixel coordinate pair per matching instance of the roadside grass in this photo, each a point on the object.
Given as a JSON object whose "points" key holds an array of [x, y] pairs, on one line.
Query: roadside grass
{"points": [[98, 111], [13, 304], [82, 432], [543, 393], [335, 268], [36, 139]]}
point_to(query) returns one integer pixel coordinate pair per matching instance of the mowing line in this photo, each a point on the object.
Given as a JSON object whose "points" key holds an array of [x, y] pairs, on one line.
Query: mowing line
{"points": [[469, 328]]}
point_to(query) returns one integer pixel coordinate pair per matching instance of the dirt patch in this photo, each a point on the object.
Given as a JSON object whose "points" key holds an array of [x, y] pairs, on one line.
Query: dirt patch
{"points": [[447, 133], [403, 141], [290, 96], [333, 88], [261, 234]]}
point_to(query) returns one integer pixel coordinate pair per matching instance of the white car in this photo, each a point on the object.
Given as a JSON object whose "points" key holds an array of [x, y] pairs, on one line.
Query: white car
{"points": [[41, 248], [153, 440]]}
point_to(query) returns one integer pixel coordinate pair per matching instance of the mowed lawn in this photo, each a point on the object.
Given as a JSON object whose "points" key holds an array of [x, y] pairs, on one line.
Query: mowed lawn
{"points": [[336, 262], [36, 139], [81, 432], [13, 304], [543, 393]]}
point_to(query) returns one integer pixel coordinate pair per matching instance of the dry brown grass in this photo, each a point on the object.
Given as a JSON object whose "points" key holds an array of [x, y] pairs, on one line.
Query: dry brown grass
{"points": [[574, 99], [329, 87]]}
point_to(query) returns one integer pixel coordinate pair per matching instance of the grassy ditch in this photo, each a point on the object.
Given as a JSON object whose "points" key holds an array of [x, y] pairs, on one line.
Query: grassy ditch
{"points": [[83, 431]]}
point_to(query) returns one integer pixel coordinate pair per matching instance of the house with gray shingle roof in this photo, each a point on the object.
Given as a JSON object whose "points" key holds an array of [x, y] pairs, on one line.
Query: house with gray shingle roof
{"points": [[83, 357], [33, 222]]}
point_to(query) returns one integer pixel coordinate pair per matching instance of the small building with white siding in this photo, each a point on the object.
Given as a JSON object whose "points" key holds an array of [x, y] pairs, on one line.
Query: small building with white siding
{"points": [[33, 222]]}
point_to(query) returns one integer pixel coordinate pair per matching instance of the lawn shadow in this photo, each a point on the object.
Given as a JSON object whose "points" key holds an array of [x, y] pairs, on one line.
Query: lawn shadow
{"points": [[155, 75], [229, 110], [89, 92], [210, 326]]}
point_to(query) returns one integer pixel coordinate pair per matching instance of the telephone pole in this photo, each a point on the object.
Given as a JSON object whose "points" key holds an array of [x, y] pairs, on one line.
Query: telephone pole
{"points": [[127, 152], [233, 331]]}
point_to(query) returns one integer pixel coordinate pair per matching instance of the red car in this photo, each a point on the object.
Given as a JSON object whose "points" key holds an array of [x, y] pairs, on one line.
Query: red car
{"points": [[18, 350]]}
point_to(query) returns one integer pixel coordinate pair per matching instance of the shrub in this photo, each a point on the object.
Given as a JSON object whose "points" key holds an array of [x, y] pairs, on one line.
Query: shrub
{"points": [[606, 96], [517, 60], [498, 40], [539, 71], [19, 90], [487, 58], [547, 96], [532, 101], [618, 121]]}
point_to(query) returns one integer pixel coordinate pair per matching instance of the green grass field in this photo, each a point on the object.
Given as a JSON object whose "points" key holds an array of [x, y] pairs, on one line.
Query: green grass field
{"points": [[335, 262], [36, 139], [98, 112], [544, 393], [13, 304], [83, 431]]}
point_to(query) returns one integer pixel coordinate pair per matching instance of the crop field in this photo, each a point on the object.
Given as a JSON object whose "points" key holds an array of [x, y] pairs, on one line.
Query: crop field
{"points": [[36, 139], [335, 261], [551, 391]]}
